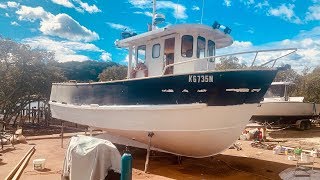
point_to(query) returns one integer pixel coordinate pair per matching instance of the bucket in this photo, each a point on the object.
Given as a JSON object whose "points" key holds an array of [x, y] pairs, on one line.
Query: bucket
{"points": [[305, 157], [38, 164], [292, 158]]}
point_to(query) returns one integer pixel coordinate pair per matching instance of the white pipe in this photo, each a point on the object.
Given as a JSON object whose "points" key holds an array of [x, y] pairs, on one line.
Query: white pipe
{"points": [[239, 53]]}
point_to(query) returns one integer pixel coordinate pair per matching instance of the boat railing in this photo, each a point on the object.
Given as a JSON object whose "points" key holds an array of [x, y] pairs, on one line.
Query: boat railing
{"points": [[209, 58]]}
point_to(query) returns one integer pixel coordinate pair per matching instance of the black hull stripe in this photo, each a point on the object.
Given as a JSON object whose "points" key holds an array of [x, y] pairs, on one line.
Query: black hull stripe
{"points": [[212, 88]]}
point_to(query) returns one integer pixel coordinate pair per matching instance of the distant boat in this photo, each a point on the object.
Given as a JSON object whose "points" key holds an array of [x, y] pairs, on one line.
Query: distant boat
{"points": [[173, 92], [279, 107]]}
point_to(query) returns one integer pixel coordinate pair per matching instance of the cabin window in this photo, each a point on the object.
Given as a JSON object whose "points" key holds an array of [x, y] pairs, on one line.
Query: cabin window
{"points": [[141, 53], [187, 46], [211, 48], [201, 47], [155, 50]]}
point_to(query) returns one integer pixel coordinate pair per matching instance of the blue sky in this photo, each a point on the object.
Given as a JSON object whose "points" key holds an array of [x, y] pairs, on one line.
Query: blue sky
{"points": [[86, 29]]}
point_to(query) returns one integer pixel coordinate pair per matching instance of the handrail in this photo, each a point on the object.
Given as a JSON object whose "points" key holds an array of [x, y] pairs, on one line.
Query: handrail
{"points": [[292, 50]]}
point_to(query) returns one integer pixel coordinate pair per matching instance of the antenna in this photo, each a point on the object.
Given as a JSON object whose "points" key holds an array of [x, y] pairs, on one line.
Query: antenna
{"points": [[177, 7], [153, 15], [202, 11], [156, 18]]}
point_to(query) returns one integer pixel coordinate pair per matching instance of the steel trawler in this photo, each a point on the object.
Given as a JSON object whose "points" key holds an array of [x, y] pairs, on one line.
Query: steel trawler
{"points": [[173, 92]]}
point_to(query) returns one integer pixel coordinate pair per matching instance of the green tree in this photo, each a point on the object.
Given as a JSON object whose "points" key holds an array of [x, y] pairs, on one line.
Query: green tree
{"points": [[229, 62], [306, 84], [26, 76], [84, 71], [290, 75], [113, 73], [311, 86]]}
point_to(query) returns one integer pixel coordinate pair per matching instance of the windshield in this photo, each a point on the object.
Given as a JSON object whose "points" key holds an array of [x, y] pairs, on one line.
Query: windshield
{"points": [[275, 91]]}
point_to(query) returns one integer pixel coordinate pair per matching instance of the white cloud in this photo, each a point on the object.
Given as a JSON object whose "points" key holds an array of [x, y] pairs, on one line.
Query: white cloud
{"points": [[149, 14], [89, 8], [307, 42], [64, 26], [61, 25], [260, 5], [247, 2], [81, 6], [285, 12], [3, 6], [14, 23], [227, 3], [13, 4], [251, 31], [105, 56], [242, 45], [32, 14], [313, 13], [195, 8], [7, 15], [140, 3], [10, 4], [119, 26], [64, 50], [179, 11], [126, 60], [65, 3]]}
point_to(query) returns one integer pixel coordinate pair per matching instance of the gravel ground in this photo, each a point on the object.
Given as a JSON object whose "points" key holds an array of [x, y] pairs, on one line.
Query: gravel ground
{"points": [[249, 163]]}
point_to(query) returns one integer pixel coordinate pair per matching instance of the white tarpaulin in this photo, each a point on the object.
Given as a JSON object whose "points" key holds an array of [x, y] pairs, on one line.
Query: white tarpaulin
{"points": [[90, 158]]}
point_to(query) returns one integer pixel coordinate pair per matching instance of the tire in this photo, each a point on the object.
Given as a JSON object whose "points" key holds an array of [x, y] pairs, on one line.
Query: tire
{"points": [[301, 126], [307, 125]]}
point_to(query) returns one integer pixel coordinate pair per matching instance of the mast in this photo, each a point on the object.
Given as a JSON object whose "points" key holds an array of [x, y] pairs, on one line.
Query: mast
{"points": [[153, 15]]}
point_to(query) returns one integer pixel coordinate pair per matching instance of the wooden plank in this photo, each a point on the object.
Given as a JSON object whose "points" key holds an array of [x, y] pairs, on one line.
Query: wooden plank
{"points": [[15, 169], [23, 165]]}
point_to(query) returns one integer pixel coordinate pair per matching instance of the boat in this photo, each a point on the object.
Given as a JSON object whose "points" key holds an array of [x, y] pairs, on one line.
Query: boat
{"points": [[174, 99], [279, 108]]}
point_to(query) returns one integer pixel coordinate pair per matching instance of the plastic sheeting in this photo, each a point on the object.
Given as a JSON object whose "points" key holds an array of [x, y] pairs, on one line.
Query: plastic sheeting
{"points": [[90, 158]]}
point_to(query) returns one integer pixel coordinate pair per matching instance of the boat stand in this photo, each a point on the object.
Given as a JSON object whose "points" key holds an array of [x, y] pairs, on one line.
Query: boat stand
{"points": [[62, 125], [150, 134], [179, 160]]}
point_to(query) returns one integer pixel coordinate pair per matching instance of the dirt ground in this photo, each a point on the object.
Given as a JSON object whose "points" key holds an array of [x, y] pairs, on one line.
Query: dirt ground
{"points": [[248, 163]]}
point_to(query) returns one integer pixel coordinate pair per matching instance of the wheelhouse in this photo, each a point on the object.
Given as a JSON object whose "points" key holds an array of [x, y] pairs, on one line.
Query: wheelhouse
{"points": [[164, 51]]}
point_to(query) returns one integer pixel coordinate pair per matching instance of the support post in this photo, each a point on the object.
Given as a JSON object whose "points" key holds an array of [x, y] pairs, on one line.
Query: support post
{"points": [[254, 60], [29, 112], [150, 134], [62, 124], [38, 111], [129, 63], [264, 133], [90, 130]]}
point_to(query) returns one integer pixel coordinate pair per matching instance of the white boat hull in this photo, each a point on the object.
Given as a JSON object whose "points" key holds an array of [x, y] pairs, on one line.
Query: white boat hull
{"points": [[194, 130], [286, 109]]}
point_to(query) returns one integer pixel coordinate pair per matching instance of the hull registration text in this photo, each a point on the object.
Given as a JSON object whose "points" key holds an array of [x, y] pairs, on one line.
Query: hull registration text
{"points": [[200, 78]]}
